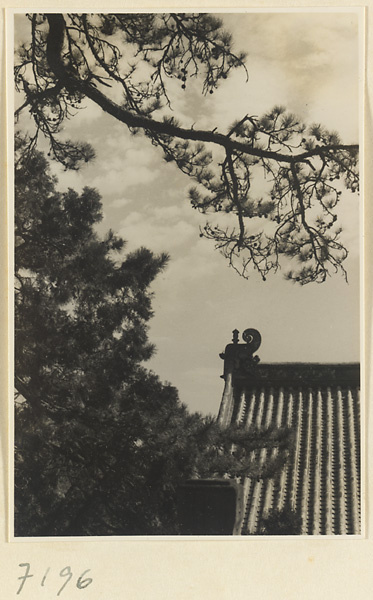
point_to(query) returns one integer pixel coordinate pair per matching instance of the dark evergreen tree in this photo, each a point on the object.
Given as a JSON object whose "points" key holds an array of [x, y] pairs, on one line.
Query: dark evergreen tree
{"points": [[80, 316], [101, 57], [281, 522], [101, 443]]}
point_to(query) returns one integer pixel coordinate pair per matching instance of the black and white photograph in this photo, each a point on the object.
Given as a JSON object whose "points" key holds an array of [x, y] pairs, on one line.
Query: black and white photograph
{"points": [[187, 226]]}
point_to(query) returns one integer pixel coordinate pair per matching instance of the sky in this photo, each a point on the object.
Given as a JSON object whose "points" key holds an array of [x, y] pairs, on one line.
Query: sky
{"points": [[307, 62]]}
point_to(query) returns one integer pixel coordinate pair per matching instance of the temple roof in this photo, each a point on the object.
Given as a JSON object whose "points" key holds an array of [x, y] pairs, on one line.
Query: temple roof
{"points": [[320, 404]]}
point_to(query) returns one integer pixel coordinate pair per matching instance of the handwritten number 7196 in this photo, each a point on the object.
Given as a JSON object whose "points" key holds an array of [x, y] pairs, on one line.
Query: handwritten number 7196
{"points": [[81, 583]]}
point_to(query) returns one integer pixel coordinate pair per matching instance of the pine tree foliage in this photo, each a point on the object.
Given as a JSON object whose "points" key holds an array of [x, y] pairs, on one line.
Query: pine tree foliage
{"points": [[128, 64], [81, 314], [283, 521], [100, 443]]}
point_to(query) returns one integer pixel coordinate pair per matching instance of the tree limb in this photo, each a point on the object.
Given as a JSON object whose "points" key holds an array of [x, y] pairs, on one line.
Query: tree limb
{"points": [[54, 48]]}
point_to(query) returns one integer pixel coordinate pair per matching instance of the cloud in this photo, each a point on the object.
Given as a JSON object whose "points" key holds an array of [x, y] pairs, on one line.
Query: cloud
{"points": [[117, 180], [306, 61], [120, 203], [160, 228]]}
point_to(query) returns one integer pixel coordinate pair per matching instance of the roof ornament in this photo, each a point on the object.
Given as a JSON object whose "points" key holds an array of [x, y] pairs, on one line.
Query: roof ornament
{"points": [[240, 357], [253, 339]]}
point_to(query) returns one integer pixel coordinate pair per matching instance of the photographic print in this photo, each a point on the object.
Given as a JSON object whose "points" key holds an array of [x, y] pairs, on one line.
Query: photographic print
{"points": [[187, 235]]}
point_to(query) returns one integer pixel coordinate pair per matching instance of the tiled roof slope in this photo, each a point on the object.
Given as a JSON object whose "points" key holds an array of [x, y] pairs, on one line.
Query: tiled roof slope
{"points": [[321, 405]]}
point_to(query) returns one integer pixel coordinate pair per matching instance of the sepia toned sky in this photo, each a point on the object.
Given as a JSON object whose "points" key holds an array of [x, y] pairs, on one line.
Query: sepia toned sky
{"points": [[307, 62]]}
